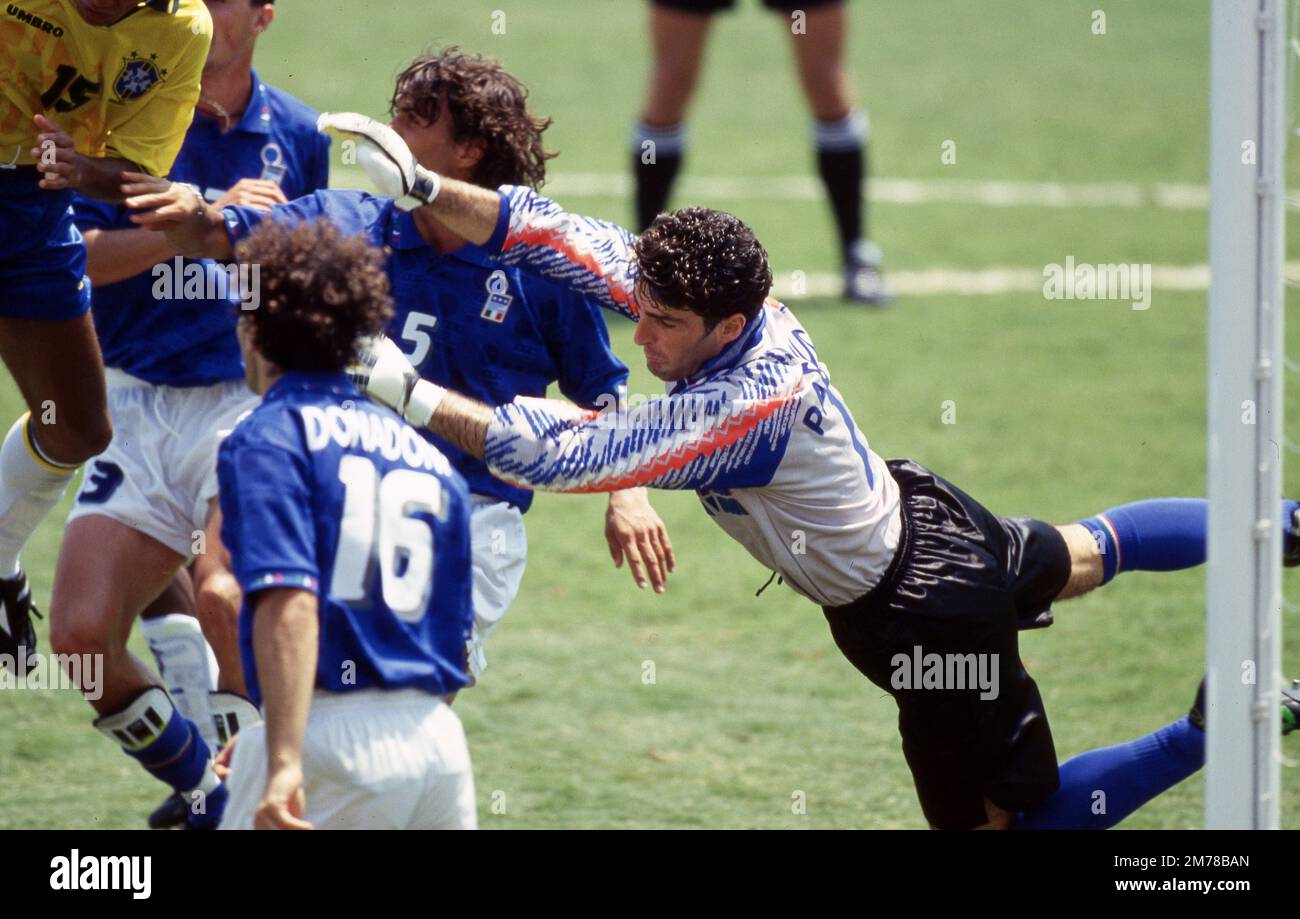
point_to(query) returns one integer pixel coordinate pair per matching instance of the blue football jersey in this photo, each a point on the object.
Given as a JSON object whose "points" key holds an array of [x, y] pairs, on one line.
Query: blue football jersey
{"points": [[150, 325], [324, 490], [470, 323]]}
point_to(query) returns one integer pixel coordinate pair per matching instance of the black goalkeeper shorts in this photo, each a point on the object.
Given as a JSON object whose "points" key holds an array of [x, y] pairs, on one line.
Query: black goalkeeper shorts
{"points": [[717, 6], [962, 585]]}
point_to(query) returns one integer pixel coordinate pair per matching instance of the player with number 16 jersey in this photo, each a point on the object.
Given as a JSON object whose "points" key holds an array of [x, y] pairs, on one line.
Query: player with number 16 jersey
{"points": [[349, 534]]}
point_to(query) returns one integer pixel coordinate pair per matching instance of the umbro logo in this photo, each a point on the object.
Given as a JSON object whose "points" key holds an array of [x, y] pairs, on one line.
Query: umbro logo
{"points": [[36, 22]]}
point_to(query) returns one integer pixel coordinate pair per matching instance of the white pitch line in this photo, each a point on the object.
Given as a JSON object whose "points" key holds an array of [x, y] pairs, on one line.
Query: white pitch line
{"points": [[789, 285], [990, 193]]}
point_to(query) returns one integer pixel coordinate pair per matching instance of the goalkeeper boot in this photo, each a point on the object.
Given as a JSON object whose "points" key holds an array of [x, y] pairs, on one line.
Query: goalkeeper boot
{"points": [[1291, 541], [16, 611], [1290, 707], [1197, 713], [863, 281]]}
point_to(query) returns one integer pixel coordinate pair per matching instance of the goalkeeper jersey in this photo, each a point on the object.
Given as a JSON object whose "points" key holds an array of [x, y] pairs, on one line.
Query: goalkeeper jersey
{"points": [[759, 432], [126, 90]]}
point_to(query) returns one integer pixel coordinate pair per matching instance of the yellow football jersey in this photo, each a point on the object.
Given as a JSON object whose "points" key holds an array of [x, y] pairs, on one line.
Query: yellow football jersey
{"points": [[126, 90]]}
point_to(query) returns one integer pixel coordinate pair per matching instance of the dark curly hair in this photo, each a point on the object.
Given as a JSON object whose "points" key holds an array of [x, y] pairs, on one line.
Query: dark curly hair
{"points": [[706, 261], [319, 292], [486, 104]]}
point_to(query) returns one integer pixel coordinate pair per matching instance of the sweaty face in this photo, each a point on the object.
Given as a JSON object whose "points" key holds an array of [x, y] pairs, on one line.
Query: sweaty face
{"points": [[675, 342], [104, 12], [235, 27], [431, 143]]}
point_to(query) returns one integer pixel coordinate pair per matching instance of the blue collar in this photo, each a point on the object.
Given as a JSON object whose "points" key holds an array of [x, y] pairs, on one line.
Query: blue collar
{"points": [[402, 233], [257, 114], [729, 356], [303, 381]]}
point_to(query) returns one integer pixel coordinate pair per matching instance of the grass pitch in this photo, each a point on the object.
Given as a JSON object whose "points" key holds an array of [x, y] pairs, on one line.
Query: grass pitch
{"points": [[1062, 408]]}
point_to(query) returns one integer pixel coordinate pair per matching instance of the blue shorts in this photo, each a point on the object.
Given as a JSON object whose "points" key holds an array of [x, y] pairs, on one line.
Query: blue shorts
{"points": [[42, 253]]}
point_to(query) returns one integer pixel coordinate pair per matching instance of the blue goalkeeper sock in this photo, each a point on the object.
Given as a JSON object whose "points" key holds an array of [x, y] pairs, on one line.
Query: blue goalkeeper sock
{"points": [[172, 750], [1159, 534], [1102, 787]]}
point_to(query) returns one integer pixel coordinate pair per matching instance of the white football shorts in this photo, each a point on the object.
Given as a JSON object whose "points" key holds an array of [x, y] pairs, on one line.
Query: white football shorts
{"points": [[372, 759], [160, 470], [499, 554]]}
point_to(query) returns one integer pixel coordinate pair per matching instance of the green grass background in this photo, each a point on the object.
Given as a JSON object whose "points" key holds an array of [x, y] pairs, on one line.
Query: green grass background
{"points": [[1063, 409]]}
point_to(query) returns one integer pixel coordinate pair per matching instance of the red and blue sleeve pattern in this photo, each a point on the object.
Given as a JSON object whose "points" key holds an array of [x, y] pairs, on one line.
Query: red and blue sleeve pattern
{"points": [[727, 434], [590, 256]]}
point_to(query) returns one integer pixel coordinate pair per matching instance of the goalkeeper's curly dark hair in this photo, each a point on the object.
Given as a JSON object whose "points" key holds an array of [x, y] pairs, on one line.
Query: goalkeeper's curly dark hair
{"points": [[319, 292], [706, 261], [487, 105]]}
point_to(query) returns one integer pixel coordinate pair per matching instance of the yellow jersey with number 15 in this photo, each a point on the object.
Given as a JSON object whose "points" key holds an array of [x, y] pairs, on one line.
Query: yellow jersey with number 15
{"points": [[127, 90]]}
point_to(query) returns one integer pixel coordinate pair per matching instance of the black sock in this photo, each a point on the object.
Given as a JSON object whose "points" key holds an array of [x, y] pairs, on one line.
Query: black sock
{"points": [[842, 165], [656, 159]]}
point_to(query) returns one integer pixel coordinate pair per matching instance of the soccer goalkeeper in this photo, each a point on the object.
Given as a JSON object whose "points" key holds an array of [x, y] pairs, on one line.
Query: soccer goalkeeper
{"points": [[899, 559]]}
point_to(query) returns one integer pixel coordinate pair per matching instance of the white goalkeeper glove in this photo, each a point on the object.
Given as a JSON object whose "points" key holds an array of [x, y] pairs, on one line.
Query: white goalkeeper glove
{"points": [[384, 373], [384, 157]]}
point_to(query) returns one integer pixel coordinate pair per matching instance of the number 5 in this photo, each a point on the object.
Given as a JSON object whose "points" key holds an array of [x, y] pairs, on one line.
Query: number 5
{"points": [[414, 332]]}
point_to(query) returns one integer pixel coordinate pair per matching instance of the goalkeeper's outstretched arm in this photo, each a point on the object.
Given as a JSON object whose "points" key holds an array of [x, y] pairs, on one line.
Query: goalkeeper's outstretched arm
{"points": [[593, 257]]}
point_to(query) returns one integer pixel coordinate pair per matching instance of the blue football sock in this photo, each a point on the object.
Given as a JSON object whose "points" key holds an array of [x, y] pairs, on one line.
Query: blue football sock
{"points": [[171, 749], [1159, 534], [1102, 787]]}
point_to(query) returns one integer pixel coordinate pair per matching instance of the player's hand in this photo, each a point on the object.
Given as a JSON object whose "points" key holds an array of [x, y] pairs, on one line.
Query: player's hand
{"points": [[160, 204], [262, 194], [221, 765], [56, 156], [384, 157], [283, 803], [635, 532], [382, 371]]}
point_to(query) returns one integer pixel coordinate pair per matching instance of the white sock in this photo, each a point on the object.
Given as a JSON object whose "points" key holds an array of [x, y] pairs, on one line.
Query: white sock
{"points": [[30, 487], [187, 665]]}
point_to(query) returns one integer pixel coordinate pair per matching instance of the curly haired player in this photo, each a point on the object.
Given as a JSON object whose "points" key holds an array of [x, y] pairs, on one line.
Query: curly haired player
{"points": [[349, 534]]}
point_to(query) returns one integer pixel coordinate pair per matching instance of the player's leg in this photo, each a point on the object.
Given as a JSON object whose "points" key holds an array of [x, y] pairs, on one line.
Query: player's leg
{"points": [[1157, 534], [56, 365], [106, 574], [218, 598], [818, 31], [678, 31], [185, 662], [499, 556]]}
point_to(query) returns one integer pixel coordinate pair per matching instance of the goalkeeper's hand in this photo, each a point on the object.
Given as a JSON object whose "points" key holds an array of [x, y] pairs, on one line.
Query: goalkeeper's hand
{"points": [[384, 157], [382, 371]]}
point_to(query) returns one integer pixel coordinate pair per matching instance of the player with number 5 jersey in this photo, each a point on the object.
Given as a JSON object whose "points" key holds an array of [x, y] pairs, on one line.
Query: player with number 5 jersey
{"points": [[349, 534]]}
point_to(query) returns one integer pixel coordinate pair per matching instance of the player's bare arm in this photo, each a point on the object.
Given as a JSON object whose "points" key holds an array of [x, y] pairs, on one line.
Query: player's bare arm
{"points": [[467, 210], [285, 641], [192, 227], [115, 255], [64, 167]]}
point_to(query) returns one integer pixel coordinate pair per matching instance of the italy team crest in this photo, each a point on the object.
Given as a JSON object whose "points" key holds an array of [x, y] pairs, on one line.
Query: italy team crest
{"points": [[137, 76]]}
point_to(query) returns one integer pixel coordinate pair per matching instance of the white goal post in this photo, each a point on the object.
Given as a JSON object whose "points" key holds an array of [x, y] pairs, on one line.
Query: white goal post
{"points": [[1249, 65]]}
